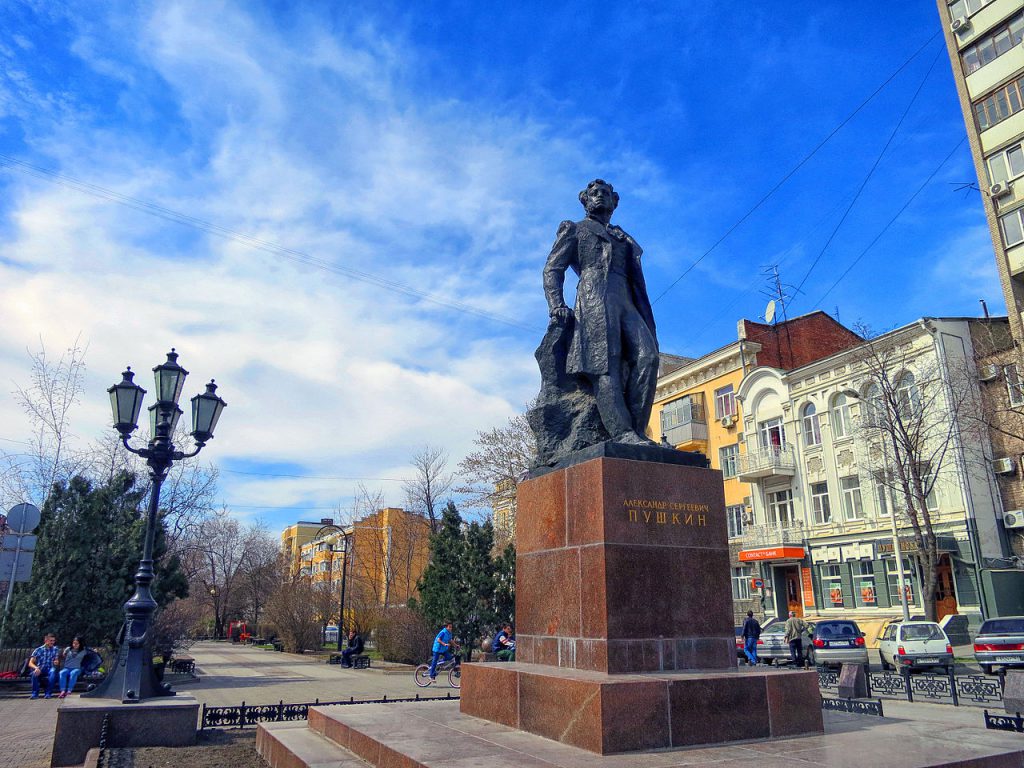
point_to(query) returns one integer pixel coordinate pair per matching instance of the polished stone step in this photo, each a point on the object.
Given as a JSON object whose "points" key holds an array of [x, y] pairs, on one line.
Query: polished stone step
{"points": [[296, 745]]}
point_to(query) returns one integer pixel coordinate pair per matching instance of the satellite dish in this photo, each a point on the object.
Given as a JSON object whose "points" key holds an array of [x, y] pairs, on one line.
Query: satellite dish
{"points": [[23, 518], [769, 311]]}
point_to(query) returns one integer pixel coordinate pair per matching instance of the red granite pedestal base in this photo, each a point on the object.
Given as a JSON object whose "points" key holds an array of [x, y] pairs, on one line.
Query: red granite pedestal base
{"points": [[624, 618], [621, 713]]}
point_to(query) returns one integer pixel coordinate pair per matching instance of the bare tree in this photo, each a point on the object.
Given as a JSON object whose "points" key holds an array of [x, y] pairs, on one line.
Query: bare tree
{"points": [[216, 560], [910, 414], [490, 473], [48, 455], [293, 612], [430, 484], [259, 573]]}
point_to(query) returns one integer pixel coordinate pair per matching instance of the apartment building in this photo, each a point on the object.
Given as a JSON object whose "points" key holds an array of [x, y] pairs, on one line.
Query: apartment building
{"points": [[829, 535], [295, 537], [984, 39]]}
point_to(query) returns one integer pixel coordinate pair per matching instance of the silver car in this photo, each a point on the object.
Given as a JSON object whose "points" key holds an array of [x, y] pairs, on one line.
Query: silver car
{"points": [[772, 646], [1000, 643], [838, 641]]}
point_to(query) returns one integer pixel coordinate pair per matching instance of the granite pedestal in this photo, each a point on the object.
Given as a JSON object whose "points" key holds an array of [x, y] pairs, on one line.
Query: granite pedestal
{"points": [[624, 618], [162, 722]]}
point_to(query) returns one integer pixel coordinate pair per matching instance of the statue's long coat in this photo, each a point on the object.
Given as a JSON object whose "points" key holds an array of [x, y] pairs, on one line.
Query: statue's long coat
{"points": [[586, 247]]}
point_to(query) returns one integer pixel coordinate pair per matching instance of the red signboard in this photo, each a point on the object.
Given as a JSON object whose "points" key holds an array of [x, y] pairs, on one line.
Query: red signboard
{"points": [[808, 588], [771, 553]]}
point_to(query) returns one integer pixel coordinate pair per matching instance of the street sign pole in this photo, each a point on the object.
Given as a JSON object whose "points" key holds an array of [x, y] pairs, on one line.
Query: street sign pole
{"points": [[22, 519]]}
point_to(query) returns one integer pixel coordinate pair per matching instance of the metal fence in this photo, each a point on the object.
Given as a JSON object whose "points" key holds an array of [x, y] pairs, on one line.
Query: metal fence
{"points": [[853, 706], [958, 690], [252, 714], [1000, 722]]}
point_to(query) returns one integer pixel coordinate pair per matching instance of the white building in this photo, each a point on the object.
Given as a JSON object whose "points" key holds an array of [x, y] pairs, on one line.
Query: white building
{"points": [[822, 529]]}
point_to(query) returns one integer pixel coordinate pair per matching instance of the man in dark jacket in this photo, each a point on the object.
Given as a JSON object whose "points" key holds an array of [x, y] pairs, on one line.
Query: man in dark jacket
{"points": [[751, 633], [354, 647]]}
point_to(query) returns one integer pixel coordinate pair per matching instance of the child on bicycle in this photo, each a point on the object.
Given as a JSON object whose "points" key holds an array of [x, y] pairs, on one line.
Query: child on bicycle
{"points": [[441, 649]]}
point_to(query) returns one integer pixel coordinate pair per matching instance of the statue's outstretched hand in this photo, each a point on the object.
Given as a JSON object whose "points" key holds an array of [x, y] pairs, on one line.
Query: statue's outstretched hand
{"points": [[561, 314]]}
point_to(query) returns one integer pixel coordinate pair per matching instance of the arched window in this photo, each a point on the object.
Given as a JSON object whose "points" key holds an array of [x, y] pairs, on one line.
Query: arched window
{"points": [[812, 432], [908, 395], [841, 416], [872, 411]]}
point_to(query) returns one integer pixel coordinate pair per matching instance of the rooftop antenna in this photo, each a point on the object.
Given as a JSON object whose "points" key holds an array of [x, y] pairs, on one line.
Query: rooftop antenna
{"points": [[778, 294]]}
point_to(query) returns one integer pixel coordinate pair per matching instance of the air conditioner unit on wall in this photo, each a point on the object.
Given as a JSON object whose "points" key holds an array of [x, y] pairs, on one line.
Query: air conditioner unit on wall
{"points": [[1003, 466], [988, 372], [1013, 518], [748, 517], [999, 189], [960, 25], [728, 421]]}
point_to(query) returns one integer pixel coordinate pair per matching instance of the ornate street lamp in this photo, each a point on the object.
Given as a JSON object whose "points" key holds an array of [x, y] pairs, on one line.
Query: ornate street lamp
{"points": [[133, 678], [344, 572]]}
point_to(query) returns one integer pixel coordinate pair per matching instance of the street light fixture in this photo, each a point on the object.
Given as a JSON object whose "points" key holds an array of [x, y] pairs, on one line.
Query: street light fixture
{"points": [[344, 572], [133, 678]]}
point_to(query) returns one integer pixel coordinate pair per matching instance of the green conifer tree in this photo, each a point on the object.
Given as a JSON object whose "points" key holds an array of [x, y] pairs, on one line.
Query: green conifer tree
{"points": [[88, 548]]}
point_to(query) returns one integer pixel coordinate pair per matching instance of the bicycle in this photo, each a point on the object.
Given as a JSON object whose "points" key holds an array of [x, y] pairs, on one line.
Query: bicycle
{"points": [[452, 666]]}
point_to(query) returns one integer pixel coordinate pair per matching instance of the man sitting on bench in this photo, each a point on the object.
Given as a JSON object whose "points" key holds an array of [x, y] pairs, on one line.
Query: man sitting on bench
{"points": [[354, 647], [504, 645]]}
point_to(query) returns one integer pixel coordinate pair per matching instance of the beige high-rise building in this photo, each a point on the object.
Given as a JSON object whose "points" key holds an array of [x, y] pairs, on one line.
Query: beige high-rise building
{"points": [[985, 49]]}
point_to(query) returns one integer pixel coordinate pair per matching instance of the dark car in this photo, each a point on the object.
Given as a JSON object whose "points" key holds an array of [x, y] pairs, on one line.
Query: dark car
{"points": [[838, 641], [1000, 643]]}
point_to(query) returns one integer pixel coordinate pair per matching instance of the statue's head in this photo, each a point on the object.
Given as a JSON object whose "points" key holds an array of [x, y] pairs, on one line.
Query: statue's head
{"points": [[599, 197]]}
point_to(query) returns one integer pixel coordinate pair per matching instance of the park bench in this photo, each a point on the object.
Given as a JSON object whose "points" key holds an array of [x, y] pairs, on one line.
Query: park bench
{"points": [[358, 662], [183, 665]]}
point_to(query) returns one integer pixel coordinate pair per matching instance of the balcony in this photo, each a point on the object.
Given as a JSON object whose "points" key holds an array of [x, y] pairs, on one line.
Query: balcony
{"points": [[773, 535], [683, 423], [777, 461]]}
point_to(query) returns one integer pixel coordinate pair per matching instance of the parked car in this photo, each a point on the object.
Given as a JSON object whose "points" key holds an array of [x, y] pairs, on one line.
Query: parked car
{"points": [[1000, 643], [772, 647], [838, 641], [768, 622], [915, 645]]}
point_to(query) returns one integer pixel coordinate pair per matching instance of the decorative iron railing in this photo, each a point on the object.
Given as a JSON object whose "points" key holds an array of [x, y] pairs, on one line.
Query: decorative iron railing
{"points": [[761, 462], [1000, 722], [252, 714], [967, 690], [853, 706]]}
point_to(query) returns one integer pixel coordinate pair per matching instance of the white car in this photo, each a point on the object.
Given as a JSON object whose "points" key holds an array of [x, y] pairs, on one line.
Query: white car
{"points": [[915, 645]]}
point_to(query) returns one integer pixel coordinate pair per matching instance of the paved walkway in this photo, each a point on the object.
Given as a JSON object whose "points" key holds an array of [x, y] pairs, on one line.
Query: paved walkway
{"points": [[231, 674]]}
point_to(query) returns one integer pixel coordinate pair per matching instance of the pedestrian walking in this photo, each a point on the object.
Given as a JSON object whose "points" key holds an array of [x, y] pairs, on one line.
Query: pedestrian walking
{"points": [[751, 634], [795, 629], [43, 665]]}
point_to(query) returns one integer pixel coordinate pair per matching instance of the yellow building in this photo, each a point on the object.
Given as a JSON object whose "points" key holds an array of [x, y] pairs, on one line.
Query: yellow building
{"points": [[695, 409], [386, 554], [294, 537]]}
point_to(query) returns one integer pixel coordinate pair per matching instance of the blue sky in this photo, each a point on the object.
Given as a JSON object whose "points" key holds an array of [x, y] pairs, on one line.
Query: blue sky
{"points": [[390, 152]]}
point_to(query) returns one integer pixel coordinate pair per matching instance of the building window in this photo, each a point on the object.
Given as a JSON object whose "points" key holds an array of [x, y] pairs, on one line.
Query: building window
{"points": [[999, 105], [892, 577], [780, 507], [734, 517], [831, 586], [908, 395], [853, 505], [728, 460], [771, 433], [1014, 386], [812, 431], [725, 402], [1013, 227], [930, 480], [882, 497], [682, 411], [872, 409], [820, 504], [741, 576], [841, 416], [1006, 165], [958, 8], [993, 45], [864, 585]]}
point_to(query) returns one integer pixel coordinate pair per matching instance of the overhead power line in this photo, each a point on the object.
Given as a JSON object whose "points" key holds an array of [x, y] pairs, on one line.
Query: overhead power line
{"points": [[250, 241], [314, 477], [870, 173], [796, 168]]}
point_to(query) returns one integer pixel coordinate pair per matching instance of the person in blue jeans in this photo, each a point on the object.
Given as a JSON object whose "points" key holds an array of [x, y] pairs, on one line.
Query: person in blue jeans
{"points": [[442, 648], [43, 665], [71, 666], [751, 633]]}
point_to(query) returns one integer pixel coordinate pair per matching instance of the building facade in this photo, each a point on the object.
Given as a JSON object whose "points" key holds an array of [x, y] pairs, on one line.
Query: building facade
{"points": [[984, 40], [295, 537], [695, 409], [828, 536]]}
